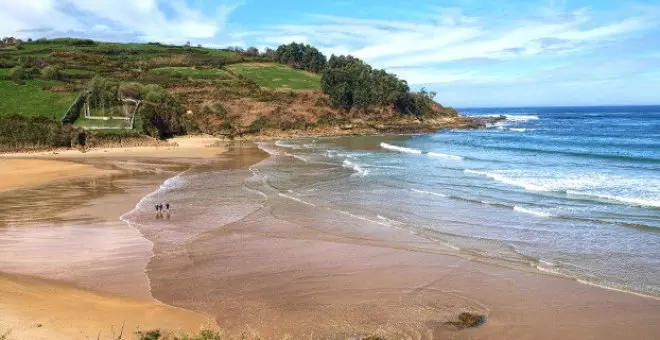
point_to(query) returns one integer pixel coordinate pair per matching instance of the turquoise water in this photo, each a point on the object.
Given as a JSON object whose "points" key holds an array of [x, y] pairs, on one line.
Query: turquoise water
{"points": [[569, 191]]}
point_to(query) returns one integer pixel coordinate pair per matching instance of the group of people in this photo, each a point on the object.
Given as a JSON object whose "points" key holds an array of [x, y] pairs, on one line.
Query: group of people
{"points": [[160, 208]]}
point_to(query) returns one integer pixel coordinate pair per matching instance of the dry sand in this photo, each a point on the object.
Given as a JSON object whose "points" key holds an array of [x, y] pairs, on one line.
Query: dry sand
{"points": [[39, 309], [21, 170], [20, 173]]}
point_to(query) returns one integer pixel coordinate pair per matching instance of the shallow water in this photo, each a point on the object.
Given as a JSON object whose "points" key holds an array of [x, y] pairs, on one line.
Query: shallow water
{"points": [[570, 191]]}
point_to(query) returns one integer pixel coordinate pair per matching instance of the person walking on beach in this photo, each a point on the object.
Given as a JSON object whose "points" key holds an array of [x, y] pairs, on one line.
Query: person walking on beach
{"points": [[167, 207]]}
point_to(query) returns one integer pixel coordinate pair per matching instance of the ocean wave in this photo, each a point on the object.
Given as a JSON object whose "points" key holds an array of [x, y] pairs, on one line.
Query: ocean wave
{"points": [[621, 290], [389, 220], [521, 118], [286, 145], [444, 155], [301, 158], [296, 200], [362, 218], [511, 117], [418, 152], [268, 150], [571, 185], [506, 180], [350, 165], [428, 193], [399, 148], [519, 129], [622, 199], [535, 212], [547, 263]]}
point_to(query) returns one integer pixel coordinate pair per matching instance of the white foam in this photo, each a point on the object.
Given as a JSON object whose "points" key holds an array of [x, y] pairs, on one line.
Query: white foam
{"points": [[588, 283], [552, 271], [285, 145], [507, 180], [518, 129], [362, 218], [534, 212], [444, 155], [399, 148], [622, 199], [297, 200], [350, 165], [521, 118], [270, 151], [418, 152], [429, 193], [547, 263], [388, 220], [301, 158]]}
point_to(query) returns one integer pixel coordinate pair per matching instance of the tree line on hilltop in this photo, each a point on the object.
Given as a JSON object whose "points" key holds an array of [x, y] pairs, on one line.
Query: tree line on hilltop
{"points": [[352, 83]]}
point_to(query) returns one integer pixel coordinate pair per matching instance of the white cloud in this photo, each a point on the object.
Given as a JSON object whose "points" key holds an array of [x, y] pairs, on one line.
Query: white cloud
{"points": [[449, 36], [173, 21], [18, 16]]}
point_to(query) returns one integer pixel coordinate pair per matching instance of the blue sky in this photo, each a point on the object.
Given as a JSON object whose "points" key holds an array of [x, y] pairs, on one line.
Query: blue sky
{"points": [[472, 52]]}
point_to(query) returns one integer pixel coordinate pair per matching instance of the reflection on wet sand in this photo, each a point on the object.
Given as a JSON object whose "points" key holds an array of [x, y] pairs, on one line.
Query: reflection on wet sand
{"points": [[247, 253], [239, 247]]}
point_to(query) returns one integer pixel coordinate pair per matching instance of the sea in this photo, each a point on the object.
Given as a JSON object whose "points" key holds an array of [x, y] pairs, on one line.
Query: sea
{"points": [[568, 191]]}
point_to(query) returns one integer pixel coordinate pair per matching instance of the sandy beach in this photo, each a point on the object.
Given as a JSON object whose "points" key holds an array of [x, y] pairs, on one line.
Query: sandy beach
{"points": [[71, 269], [246, 260]]}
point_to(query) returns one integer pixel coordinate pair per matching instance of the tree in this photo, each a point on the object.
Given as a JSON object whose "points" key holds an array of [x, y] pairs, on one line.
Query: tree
{"points": [[269, 54], [301, 56], [350, 82], [251, 52]]}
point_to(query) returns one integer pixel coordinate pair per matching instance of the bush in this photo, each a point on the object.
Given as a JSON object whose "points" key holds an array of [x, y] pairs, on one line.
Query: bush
{"points": [[160, 113], [259, 124], [22, 132], [18, 74], [51, 73]]}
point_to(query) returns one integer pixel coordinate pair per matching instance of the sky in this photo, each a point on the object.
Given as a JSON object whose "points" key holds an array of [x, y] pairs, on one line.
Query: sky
{"points": [[473, 53]]}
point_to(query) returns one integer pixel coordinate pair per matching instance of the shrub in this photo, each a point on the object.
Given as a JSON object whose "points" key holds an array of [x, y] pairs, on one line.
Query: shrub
{"points": [[51, 73], [22, 132], [259, 124], [18, 74], [160, 113]]}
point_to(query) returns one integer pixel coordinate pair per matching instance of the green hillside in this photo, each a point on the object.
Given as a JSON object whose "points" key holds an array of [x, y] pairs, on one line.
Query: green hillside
{"points": [[193, 73], [188, 89], [276, 76], [35, 98]]}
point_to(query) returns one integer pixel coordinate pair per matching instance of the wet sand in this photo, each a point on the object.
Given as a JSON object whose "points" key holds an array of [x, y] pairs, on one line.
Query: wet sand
{"points": [[67, 261], [274, 268], [279, 267]]}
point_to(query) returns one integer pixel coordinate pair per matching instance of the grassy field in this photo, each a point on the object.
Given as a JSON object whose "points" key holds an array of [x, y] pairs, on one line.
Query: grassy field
{"points": [[31, 100], [194, 73], [4, 72], [110, 50], [275, 76]]}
